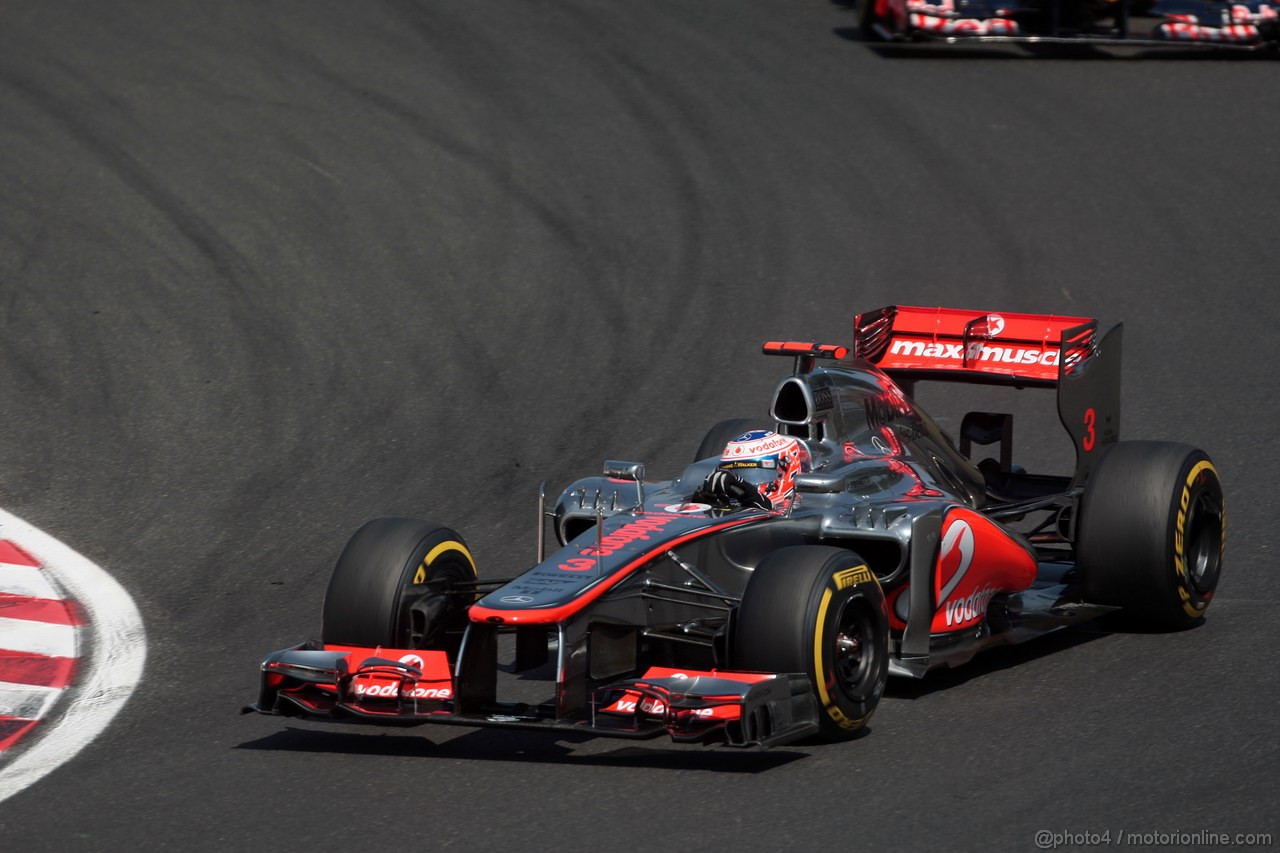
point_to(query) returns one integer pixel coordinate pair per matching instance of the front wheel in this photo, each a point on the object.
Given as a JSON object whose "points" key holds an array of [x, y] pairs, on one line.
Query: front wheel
{"points": [[820, 611], [883, 20], [1152, 531], [401, 583]]}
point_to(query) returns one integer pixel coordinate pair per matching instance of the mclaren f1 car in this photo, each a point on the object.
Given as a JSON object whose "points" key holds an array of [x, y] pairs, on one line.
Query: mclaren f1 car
{"points": [[766, 593], [1252, 26]]}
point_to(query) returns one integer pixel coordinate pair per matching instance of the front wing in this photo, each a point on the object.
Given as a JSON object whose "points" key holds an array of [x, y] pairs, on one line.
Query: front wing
{"points": [[403, 687]]}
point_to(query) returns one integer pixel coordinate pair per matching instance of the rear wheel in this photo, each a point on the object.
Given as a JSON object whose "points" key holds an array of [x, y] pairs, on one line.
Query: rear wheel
{"points": [[820, 611], [1152, 531], [396, 585]]}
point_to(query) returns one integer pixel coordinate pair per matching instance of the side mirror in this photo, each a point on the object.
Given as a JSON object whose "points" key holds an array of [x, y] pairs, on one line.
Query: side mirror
{"points": [[633, 471]]}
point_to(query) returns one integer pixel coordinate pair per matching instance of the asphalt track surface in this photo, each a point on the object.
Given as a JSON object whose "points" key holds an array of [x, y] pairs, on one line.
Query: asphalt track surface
{"points": [[270, 269]]}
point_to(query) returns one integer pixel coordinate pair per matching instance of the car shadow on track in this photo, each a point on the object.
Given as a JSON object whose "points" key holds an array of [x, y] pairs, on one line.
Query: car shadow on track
{"points": [[516, 746], [1043, 52], [1023, 654], [996, 659]]}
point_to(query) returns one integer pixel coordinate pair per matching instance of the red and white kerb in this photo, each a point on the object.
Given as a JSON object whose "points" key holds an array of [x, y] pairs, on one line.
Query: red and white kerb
{"points": [[39, 644]]}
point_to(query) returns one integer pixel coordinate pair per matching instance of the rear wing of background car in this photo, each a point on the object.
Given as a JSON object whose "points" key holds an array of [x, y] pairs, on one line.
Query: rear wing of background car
{"points": [[1020, 350]]}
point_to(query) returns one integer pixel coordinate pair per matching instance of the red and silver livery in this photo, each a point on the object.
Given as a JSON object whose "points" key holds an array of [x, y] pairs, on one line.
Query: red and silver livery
{"points": [[690, 607]]}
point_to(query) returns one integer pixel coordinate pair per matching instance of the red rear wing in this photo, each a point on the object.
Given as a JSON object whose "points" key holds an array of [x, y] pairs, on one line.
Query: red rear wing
{"points": [[951, 343]]}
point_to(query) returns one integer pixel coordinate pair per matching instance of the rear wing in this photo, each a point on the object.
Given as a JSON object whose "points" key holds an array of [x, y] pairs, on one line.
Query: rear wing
{"points": [[950, 343], [1020, 350]]}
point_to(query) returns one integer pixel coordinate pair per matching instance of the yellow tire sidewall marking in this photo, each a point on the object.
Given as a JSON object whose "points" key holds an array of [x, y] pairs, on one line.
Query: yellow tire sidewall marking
{"points": [[1179, 558], [843, 580], [818, 669], [420, 575]]}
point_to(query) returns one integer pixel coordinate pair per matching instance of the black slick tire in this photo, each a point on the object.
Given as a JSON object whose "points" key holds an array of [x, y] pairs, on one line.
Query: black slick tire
{"points": [[819, 611], [867, 19], [392, 586], [1151, 534]]}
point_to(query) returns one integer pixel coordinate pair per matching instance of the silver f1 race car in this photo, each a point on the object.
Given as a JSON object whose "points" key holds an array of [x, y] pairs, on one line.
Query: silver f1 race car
{"points": [[1251, 26], [766, 593]]}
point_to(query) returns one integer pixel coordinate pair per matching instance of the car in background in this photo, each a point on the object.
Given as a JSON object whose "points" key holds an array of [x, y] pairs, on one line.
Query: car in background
{"points": [[1249, 26]]}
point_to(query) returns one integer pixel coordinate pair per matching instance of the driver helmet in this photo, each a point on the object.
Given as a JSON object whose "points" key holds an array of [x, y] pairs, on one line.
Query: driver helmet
{"points": [[768, 461]]}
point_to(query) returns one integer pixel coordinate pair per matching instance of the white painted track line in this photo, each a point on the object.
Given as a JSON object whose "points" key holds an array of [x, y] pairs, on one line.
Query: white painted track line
{"points": [[110, 670]]}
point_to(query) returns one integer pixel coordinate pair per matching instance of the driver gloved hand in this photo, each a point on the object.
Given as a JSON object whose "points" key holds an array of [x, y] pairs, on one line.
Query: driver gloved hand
{"points": [[725, 486]]}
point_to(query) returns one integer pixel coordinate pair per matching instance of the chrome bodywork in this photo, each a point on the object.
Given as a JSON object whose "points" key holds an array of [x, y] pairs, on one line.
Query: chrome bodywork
{"points": [[648, 576]]}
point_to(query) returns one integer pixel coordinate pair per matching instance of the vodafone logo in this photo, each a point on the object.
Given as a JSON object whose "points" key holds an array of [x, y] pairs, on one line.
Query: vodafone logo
{"points": [[753, 445], [393, 691], [413, 661], [995, 324], [959, 540], [655, 707], [632, 531], [969, 609], [687, 508]]}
